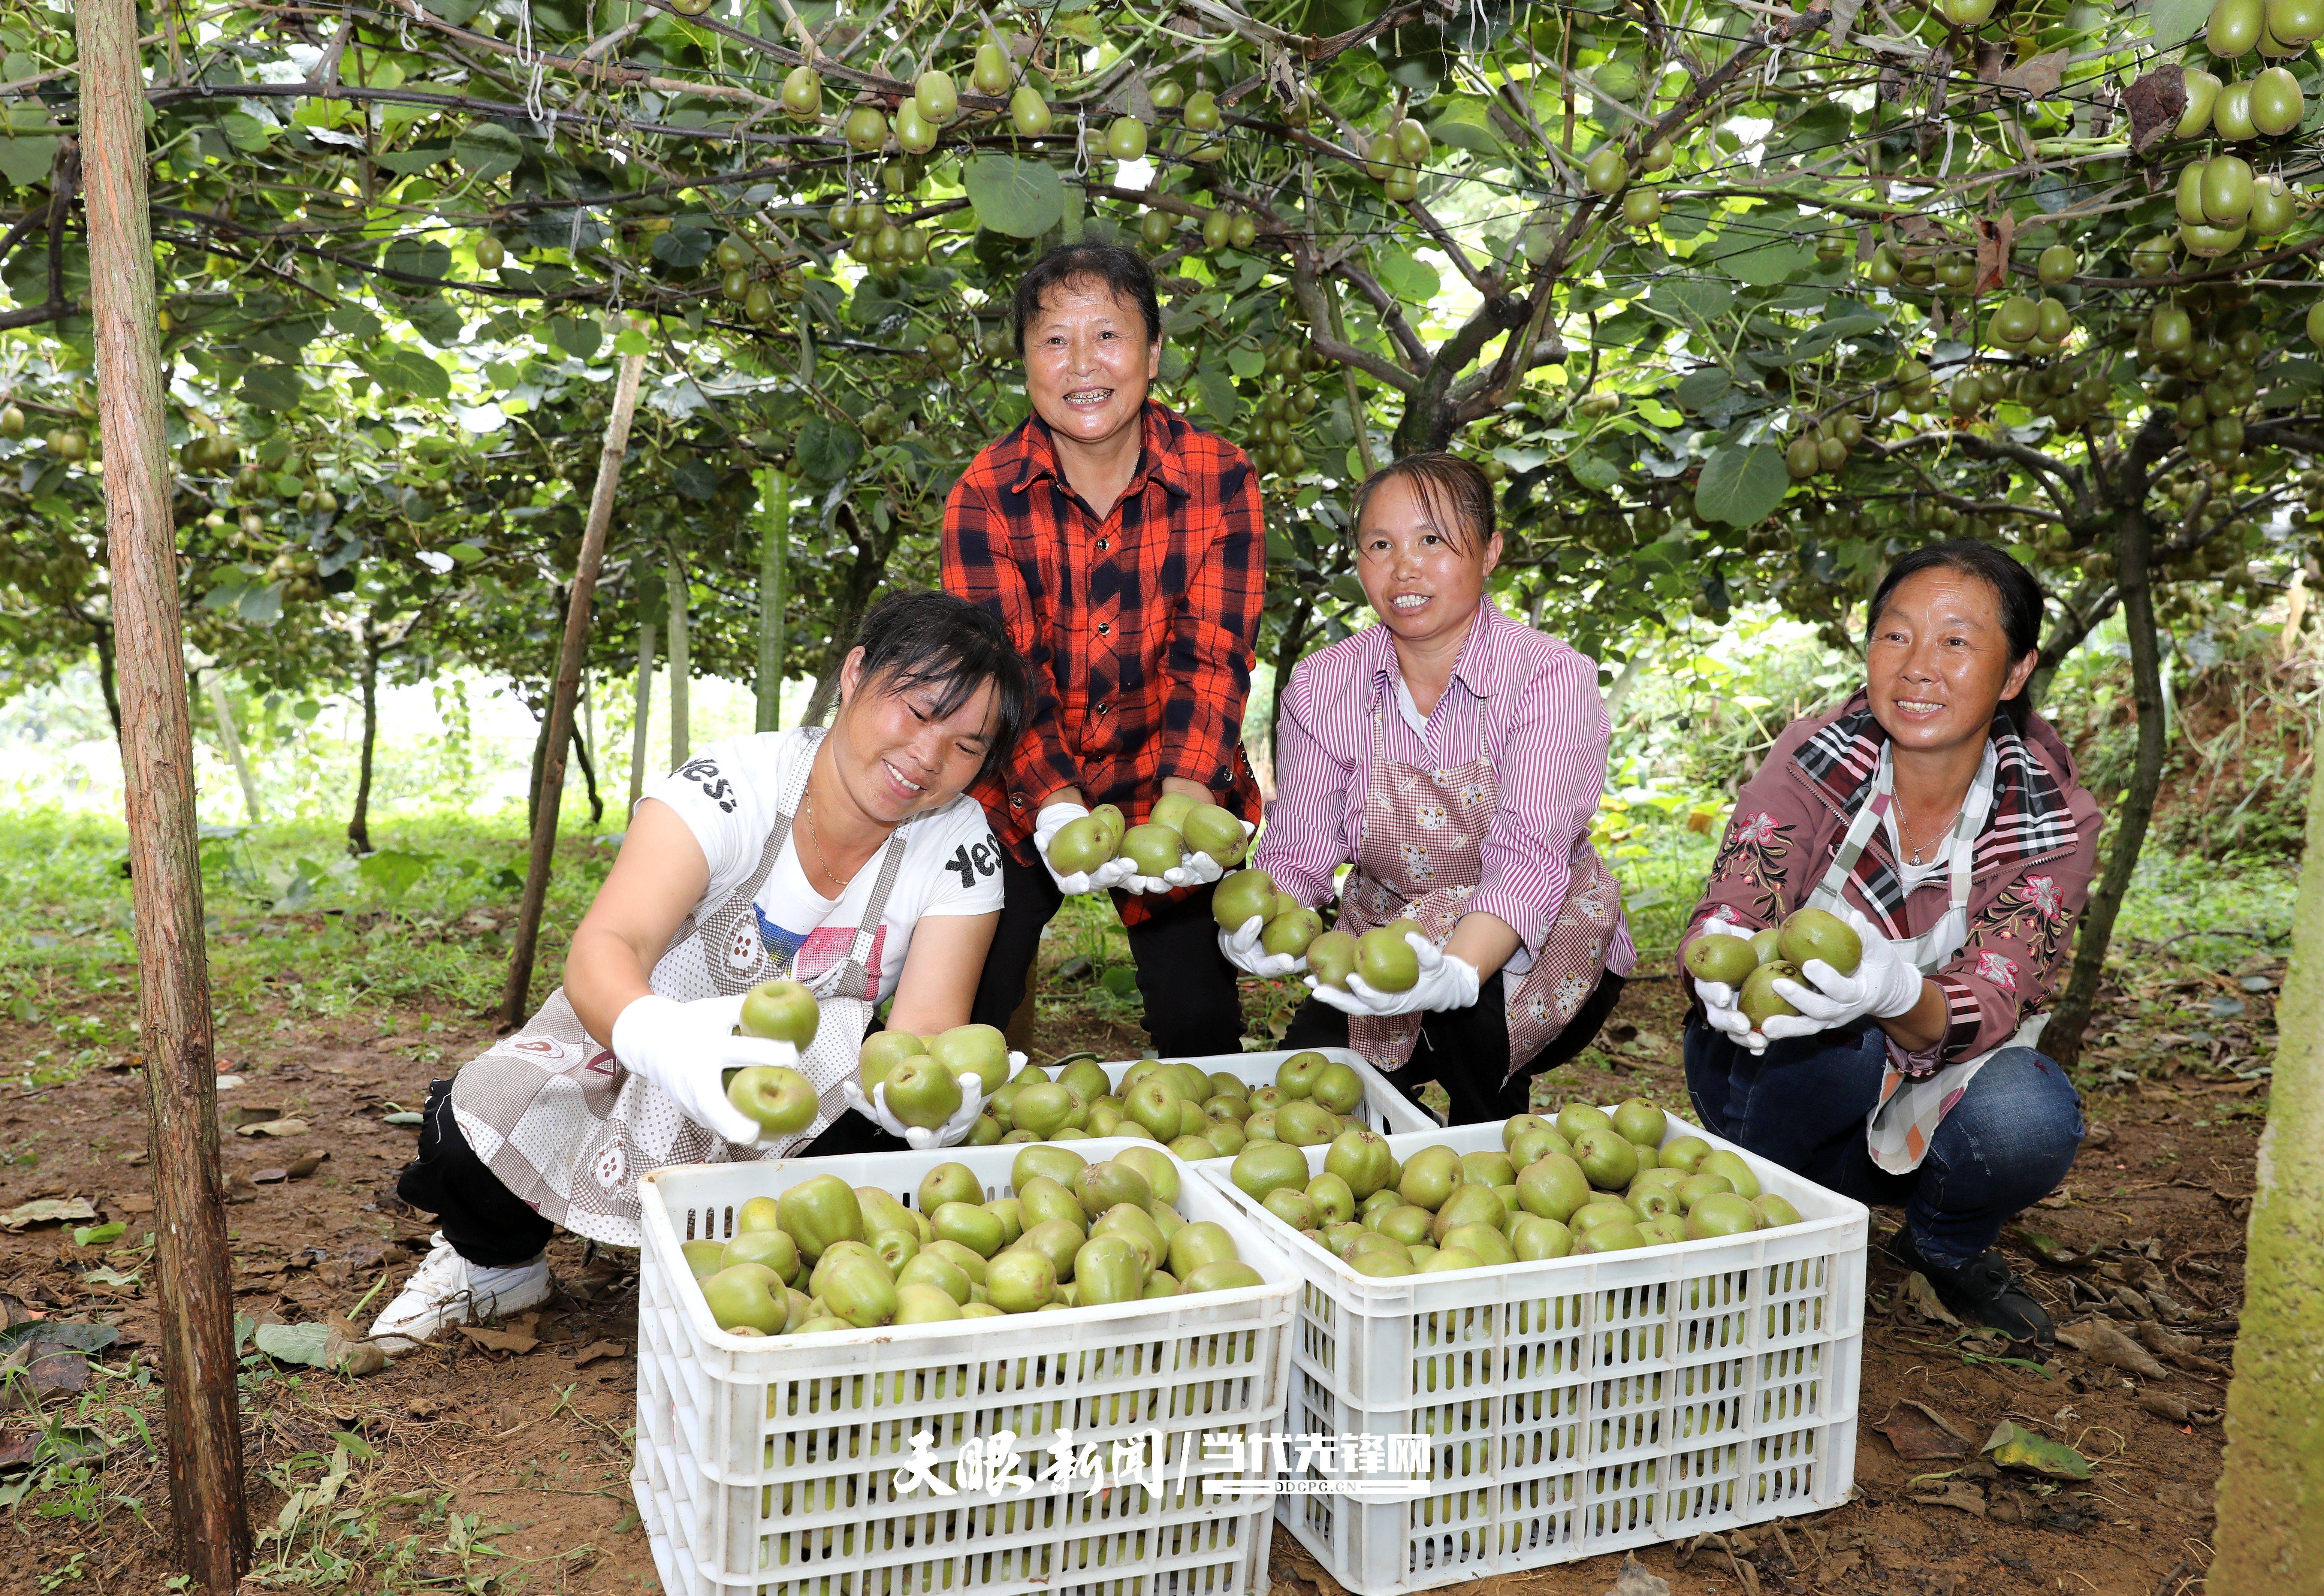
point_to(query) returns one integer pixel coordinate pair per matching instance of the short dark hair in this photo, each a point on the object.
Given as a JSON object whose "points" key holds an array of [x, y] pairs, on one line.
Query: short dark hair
{"points": [[1123, 273], [1448, 482], [2015, 589], [932, 639]]}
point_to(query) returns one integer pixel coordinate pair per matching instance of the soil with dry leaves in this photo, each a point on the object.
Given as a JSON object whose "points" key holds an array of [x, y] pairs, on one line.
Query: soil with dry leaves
{"points": [[500, 1459]]}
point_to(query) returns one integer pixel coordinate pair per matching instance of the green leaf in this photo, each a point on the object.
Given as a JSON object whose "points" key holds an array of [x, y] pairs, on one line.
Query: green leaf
{"points": [[2175, 21], [293, 1344], [2013, 1446], [580, 336], [406, 372], [486, 149], [696, 479], [1768, 264], [26, 160], [273, 389], [1590, 471], [1405, 276], [827, 449], [1816, 340], [631, 341], [261, 606], [1464, 126], [1741, 483], [392, 873], [1216, 389], [1700, 389], [1690, 300], [99, 1235], [1245, 362], [466, 554], [1019, 197]]}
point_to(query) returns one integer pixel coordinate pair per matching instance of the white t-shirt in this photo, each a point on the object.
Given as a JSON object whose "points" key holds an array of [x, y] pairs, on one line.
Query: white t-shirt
{"points": [[729, 795]]}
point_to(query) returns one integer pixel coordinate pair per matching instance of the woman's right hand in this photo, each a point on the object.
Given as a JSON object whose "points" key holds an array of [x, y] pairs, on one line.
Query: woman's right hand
{"points": [[686, 1049], [1243, 951], [1719, 1006]]}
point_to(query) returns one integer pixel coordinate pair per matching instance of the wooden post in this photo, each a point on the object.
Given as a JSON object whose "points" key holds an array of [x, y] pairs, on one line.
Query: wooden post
{"points": [[516, 998], [774, 557], [644, 717], [193, 1272], [222, 709], [681, 729]]}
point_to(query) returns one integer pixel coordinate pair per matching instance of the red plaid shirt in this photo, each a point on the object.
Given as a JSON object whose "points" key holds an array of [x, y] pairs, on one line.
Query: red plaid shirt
{"points": [[1139, 627]]}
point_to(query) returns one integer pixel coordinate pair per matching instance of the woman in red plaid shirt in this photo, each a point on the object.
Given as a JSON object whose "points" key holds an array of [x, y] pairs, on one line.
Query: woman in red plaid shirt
{"points": [[1122, 547]]}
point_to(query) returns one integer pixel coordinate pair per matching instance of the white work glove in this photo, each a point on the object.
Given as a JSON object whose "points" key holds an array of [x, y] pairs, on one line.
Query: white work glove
{"points": [[1193, 870], [1446, 981], [1243, 952], [1053, 819], [951, 1133], [1719, 997], [1885, 985], [686, 1048]]}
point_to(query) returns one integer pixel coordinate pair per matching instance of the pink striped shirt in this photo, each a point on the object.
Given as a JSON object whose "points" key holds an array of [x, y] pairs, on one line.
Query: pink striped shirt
{"points": [[1518, 698]]}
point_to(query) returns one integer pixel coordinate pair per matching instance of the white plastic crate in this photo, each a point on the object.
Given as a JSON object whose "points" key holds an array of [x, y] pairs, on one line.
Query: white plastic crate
{"points": [[769, 1467], [1576, 1405], [1383, 1108]]}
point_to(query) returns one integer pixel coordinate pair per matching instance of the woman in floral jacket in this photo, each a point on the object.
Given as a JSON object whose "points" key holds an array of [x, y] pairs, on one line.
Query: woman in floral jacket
{"points": [[1943, 820]]}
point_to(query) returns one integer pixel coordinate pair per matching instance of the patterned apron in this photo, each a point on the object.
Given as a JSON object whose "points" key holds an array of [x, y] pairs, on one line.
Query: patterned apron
{"points": [[560, 1123], [1418, 858], [1898, 1130]]}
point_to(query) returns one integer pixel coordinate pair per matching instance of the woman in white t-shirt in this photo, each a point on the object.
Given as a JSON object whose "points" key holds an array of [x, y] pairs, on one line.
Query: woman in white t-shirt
{"points": [[849, 860]]}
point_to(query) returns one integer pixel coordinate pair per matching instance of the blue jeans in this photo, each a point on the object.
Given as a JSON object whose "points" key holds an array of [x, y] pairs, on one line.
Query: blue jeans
{"points": [[1803, 1103]]}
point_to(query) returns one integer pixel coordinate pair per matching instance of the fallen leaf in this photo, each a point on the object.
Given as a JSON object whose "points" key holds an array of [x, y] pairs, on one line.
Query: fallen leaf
{"points": [[2183, 1349], [2156, 102], [1635, 1580], [60, 1332], [269, 1177], [596, 1350], [306, 1163], [47, 1211], [1923, 1299], [1919, 1433], [16, 1445], [1951, 1493], [2100, 1340], [2094, 1134], [57, 1369], [501, 1341], [349, 1355], [130, 1203], [2050, 1249], [293, 1344], [1996, 237], [2013, 1446], [273, 1127], [99, 1235], [403, 1117], [2162, 1405], [2058, 1199], [250, 1114]]}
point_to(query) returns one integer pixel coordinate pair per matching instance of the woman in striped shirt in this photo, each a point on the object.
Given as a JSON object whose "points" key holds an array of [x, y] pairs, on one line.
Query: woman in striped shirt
{"points": [[1454, 757]]}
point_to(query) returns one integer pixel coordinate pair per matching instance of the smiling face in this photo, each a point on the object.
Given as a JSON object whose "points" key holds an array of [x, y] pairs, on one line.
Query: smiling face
{"points": [[1088, 361], [895, 754], [1423, 572], [1940, 662]]}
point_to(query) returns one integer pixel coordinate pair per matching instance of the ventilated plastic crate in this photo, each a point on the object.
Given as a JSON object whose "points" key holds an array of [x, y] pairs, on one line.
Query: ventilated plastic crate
{"points": [[1575, 1406], [1383, 1108], [771, 1466]]}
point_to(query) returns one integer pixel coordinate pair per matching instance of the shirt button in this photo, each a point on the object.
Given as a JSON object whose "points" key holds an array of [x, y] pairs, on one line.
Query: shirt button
{"points": [[1102, 544], [1101, 709], [1015, 800], [1105, 629]]}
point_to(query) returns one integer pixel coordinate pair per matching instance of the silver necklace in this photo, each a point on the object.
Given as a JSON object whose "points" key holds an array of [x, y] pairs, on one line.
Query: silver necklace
{"points": [[1905, 827], [822, 861]]}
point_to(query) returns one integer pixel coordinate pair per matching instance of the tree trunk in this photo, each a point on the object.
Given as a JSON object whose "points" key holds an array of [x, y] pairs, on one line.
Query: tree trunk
{"points": [[644, 712], [774, 556], [532, 776], [1290, 645], [359, 828], [2270, 1499], [192, 1272], [2134, 543], [109, 675], [588, 776], [681, 739], [516, 998], [2066, 636], [222, 709]]}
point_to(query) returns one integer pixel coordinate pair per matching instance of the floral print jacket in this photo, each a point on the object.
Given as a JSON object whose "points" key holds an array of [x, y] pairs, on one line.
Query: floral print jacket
{"points": [[2030, 879]]}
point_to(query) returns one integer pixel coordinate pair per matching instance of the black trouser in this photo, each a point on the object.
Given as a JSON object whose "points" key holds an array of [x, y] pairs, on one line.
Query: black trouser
{"points": [[1466, 1050], [486, 1222], [1192, 1007]]}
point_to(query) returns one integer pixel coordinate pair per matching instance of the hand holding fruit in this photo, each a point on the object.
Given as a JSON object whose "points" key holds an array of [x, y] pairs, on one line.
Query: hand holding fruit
{"points": [[1078, 847], [1723, 950], [1182, 844], [928, 1110], [686, 1048], [1440, 981], [1245, 949], [1878, 983]]}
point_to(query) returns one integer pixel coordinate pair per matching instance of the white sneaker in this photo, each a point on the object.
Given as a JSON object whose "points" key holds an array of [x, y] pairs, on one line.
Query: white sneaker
{"points": [[448, 1289]]}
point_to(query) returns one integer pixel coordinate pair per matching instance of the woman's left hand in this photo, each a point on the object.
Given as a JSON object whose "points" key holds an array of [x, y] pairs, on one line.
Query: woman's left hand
{"points": [[1885, 984], [1447, 980]]}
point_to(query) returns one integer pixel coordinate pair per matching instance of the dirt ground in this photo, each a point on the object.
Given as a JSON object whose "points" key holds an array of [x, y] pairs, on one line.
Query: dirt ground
{"points": [[500, 1462]]}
